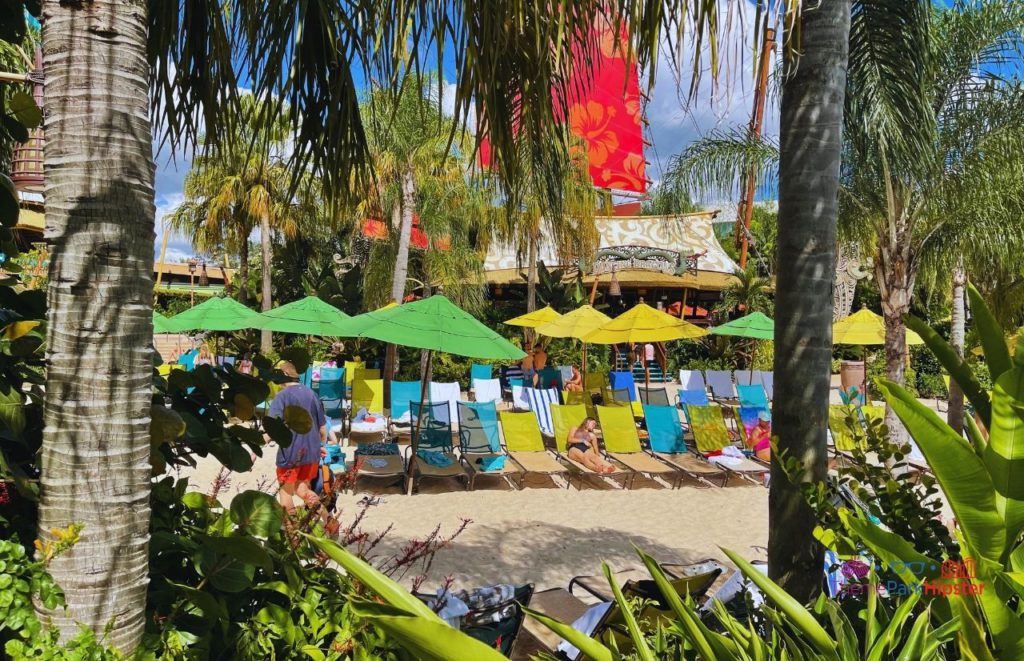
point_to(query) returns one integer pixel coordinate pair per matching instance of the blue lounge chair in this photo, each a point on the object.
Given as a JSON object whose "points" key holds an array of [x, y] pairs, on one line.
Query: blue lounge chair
{"points": [[332, 391], [435, 456], [480, 442], [477, 371], [753, 396], [667, 443], [403, 393]]}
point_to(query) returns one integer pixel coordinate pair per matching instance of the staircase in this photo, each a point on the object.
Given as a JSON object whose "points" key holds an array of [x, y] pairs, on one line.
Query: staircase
{"points": [[657, 376]]}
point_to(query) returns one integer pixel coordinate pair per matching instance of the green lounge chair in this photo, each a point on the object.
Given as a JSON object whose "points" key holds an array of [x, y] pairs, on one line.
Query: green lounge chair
{"points": [[668, 443], [435, 436], [622, 444], [711, 435], [564, 417], [526, 447], [480, 443]]}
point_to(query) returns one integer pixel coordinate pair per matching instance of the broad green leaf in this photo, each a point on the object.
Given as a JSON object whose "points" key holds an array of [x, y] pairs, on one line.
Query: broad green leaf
{"points": [[277, 431], [196, 500], [957, 367], [973, 645], [886, 642], [689, 622], [796, 614], [297, 356], [223, 571], [975, 436], [24, 109], [165, 425], [993, 339], [963, 477], [941, 634], [846, 635], [257, 513], [244, 549], [643, 651], [1017, 558], [244, 408], [1014, 580], [12, 409], [913, 646], [298, 419], [429, 639], [9, 208], [1004, 456], [313, 652], [591, 648], [385, 588], [205, 601]]}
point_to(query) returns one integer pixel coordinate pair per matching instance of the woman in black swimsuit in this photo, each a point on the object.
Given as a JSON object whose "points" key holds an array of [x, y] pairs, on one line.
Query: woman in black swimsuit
{"points": [[583, 447]]}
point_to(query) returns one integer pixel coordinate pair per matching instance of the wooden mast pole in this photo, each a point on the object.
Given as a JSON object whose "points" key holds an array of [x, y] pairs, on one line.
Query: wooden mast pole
{"points": [[756, 122]]}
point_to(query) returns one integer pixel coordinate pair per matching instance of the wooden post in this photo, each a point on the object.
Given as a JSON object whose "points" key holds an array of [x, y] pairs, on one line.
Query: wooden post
{"points": [[746, 207], [593, 290], [414, 441]]}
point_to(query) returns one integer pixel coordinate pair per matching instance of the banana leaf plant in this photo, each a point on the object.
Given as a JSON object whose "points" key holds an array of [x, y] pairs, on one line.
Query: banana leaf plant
{"points": [[982, 479], [788, 630]]}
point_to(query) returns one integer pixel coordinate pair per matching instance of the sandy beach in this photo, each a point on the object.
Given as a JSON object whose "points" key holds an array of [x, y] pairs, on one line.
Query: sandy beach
{"points": [[544, 535]]}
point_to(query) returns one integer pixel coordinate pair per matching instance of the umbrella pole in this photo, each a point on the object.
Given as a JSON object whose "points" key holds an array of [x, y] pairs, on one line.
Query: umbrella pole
{"points": [[583, 367], [414, 442]]}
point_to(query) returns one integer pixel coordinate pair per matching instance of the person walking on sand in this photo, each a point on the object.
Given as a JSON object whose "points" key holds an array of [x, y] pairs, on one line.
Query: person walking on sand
{"points": [[298, 463]]}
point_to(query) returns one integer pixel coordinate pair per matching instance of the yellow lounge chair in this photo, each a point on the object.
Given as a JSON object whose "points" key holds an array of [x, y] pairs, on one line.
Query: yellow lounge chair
{"points": [[622, 443], [524, 444]]}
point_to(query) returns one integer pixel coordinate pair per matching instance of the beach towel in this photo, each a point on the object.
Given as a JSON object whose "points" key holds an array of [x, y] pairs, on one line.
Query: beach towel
{"points": [[720, 383], [477, 371], [753, 396], [691, 380], [487, 390], [730, 457], [446, 392], [540, 402], [434, 458], [491, 464], [566, 372], [519, 398], [708, 427], [478, 427], [402, 393]]}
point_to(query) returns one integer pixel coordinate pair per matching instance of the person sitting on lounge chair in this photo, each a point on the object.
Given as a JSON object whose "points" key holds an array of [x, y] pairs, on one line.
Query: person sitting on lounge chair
{"points": [[583, 447], [575, 384], [759, 437]]}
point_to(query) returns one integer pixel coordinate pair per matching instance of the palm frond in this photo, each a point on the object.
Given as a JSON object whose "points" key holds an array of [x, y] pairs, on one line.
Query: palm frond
{"points": [[715, 164]]}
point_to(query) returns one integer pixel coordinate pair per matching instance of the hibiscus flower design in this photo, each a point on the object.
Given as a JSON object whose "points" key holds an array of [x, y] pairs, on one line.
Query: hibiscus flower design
{"points": [[590, 122], [629, 176]]}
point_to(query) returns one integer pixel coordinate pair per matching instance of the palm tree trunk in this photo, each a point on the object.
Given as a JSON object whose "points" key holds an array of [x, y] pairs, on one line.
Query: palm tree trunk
{"points": [[243, 271], [267, 253], [895, 284], [955, 412], [405, 211], [100, 212], [531, 273], [810, 138]]}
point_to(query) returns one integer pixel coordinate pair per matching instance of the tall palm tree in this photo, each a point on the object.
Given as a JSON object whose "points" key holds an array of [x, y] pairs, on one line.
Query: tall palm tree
{"points": [[231, 192], [907, 192], [810, 134]]}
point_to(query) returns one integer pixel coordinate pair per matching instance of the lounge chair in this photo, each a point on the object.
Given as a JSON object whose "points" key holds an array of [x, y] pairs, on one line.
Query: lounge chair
{"points": [[595, 382], [766, 379], [435, 436], [694, 397], [668, 444], [753, 396], [375, 465], [583, 398], [491, 625], [598, 587], [623, 381], [332, 391], [720, 383], [480, 442], [622, 443], [540, 402], [351, 367], [403, 394], [692, 380], [655, 396], [565, 417], [526, 447], [477, 371], [486, 390], [743, 377], [563, 606], [368, 394], [711, 435], [549, 377]]}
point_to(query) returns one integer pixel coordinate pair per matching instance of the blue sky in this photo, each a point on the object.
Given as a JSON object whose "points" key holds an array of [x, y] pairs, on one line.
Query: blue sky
{"points": [[672, 125]]}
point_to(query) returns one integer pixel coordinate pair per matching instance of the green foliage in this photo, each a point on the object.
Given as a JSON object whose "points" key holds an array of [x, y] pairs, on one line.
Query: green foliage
{"points": [[553, 289]]}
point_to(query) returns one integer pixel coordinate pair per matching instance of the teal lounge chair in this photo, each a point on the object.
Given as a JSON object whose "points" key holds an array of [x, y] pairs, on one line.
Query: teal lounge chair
{"points": [[480, 443], [667, 443]]}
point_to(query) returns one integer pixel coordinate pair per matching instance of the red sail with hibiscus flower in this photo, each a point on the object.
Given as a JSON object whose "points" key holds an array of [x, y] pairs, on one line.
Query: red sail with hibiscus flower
{"points": [[604, 111]]}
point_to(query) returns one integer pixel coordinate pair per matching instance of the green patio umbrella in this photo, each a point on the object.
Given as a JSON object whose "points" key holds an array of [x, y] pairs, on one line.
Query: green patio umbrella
{"points": [[161, 324], [433, 324], [308, 316], [216, 314], [755, 326]]}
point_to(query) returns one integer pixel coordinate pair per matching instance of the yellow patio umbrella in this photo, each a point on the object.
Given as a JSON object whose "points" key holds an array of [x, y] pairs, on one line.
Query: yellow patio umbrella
{"points": [[642, 323], [536, 318], [576, 324], [864, 328]]}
